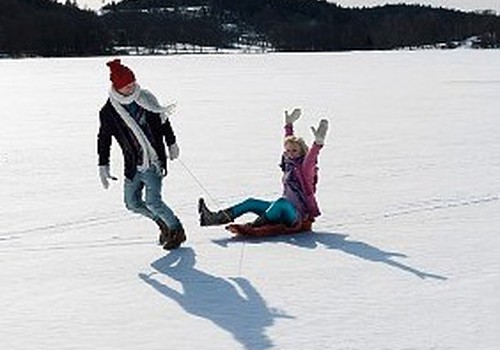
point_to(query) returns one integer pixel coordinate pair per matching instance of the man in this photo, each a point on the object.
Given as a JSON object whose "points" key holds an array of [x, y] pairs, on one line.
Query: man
{"points": [[141, 127]]}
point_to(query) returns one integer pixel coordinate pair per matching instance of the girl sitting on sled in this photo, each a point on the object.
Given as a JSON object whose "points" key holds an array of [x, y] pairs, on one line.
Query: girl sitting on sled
{"points": [[297, 207]]}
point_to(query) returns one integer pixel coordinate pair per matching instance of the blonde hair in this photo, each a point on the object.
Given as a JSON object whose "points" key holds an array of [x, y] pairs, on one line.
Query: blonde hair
{"points": [[298, 141]]}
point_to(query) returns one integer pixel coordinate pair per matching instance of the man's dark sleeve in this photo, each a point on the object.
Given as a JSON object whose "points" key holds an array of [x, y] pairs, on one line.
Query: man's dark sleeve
{"points": [[168, 132], [103, 141]]}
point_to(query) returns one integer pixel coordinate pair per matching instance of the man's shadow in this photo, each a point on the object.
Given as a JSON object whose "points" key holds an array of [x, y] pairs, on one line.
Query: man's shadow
{"points": [[337, 241], [233, 305]]}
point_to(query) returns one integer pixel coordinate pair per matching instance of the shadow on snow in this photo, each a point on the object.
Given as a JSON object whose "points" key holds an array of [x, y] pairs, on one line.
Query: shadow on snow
{"points": [[337, 241], [232, 304]]}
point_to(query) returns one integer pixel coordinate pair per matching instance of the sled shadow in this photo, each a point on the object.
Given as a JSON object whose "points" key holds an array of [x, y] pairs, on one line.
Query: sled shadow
{"points": [[232, 304], [337, 241]]}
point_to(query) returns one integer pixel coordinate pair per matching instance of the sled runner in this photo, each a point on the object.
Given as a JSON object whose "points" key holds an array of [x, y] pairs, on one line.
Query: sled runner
{"points": [[269, 230]]}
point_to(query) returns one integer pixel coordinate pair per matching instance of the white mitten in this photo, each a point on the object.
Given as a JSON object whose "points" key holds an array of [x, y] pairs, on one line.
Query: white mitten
{"points": [[320, 132], [105, 175], [173, 151], [290, 118], [170, 108], [163, 172]]}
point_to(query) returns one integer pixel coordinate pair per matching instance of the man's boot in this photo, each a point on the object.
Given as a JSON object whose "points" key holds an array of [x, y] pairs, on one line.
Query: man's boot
{"points": [[170, 238], [209, 218], [177, 237], [164, 231]]}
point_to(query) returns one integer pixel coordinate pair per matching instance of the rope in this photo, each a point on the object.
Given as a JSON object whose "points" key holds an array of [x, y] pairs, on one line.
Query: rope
{"points": [[217, 203], [199, 183], [242, 255]]}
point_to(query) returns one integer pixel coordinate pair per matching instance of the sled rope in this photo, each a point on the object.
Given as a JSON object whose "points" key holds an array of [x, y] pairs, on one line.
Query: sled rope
{"points": [[214, 200], [217, 203], [242, 256]]}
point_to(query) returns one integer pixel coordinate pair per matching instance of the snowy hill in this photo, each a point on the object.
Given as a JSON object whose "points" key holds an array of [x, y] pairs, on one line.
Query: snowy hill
{"points": [[405, 255]]}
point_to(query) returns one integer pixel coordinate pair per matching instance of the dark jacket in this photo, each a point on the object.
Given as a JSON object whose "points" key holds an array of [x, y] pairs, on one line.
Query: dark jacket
{"points": [[112, 125]]}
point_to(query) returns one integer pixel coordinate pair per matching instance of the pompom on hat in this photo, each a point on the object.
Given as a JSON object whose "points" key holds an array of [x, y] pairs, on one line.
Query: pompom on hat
{"points": [[120, 74]]}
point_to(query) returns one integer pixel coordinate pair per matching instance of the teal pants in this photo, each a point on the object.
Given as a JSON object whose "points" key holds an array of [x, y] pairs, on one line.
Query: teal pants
{"points": [[280, 211]]}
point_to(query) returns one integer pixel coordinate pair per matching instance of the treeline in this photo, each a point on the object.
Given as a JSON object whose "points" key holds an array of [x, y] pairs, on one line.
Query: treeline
{"points": [[47, 28], [162, 26]]}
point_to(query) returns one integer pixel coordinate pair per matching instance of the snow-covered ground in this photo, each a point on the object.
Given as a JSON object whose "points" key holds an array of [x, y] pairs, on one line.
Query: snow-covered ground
{"points": [[405, 256]]}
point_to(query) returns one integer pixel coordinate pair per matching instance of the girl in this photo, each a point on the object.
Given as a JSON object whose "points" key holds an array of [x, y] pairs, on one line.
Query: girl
{"points": [[298, 203]]}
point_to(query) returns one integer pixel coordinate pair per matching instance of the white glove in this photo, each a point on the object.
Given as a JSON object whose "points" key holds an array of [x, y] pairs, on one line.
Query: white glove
{"points": [[173, 151], [170, 109], [105, 175], [292, 117], [320, 132], [163, 172]]}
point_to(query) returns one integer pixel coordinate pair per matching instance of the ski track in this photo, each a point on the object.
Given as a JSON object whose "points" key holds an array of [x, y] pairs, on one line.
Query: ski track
{"points": [[440, 204], [74, 224], [79, 245], [419, 207], [401, 210], [79, 223]]}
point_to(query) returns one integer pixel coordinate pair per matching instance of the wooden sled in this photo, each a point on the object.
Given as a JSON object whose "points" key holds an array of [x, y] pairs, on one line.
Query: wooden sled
{"points": [[248, 230]]}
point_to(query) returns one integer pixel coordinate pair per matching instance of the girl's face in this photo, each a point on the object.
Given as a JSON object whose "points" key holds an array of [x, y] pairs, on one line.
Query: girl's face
{"points": [[127, 90], [292, 150]]}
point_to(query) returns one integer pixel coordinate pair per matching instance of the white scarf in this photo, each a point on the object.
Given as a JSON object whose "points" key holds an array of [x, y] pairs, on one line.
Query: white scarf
{"points": [[148, 101]]}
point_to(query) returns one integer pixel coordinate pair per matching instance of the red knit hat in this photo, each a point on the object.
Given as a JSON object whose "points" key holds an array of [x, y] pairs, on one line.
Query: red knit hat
{"points": [[120, 75]]}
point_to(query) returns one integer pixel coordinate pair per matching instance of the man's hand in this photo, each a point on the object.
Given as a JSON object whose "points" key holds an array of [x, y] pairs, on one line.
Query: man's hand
{"points": [[105, 175], [173, 151]]}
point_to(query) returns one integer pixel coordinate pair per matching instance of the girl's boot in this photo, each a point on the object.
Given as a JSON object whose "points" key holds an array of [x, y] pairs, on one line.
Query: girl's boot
{"points": [[210, 218], [260, 221]]}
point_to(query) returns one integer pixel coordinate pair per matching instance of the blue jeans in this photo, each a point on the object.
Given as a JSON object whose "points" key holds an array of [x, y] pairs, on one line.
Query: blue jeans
{"points": [[280, 211], [153, 206]]}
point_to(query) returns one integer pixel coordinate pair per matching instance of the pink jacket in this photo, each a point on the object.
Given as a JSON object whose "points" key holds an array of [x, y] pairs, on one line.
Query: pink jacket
{"points": [[305, 172]]}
